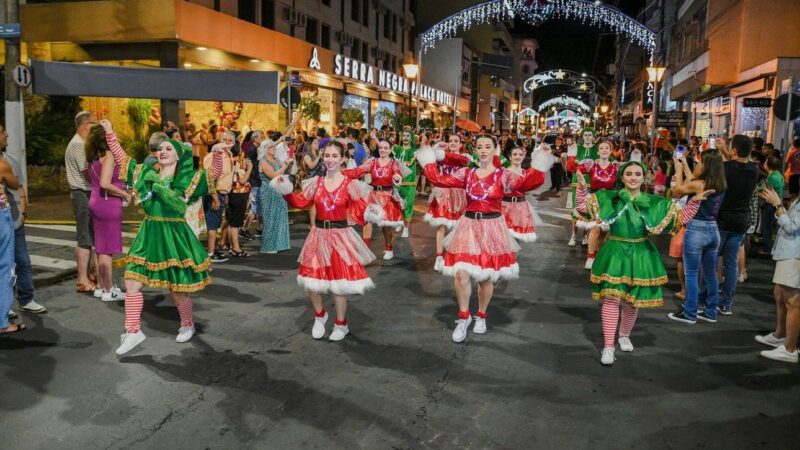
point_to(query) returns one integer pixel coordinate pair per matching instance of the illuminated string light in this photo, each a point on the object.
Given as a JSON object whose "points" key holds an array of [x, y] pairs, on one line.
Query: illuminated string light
{"points": [[537, 11], [567, 102], [559, 77]]}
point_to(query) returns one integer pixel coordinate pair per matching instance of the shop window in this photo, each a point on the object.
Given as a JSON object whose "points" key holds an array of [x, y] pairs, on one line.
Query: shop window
{"points": [[268, 14], [365, 14], [325, 36], [355, 49], [355, 10], [217, 5], [311, 31], [387, 25], [247, 10]]}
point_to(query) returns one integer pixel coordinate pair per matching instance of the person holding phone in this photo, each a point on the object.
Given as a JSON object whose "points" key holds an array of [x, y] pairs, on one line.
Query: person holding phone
{"points": [[776, 182]]}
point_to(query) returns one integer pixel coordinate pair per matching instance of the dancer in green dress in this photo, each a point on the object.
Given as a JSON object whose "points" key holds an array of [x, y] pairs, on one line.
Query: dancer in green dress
{"points": [[408, 188], [165, 253], [628, 270], [575, 154]]}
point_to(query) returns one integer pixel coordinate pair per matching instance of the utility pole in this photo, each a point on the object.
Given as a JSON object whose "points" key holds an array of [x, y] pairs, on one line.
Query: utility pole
{"points": [[15, 113]]}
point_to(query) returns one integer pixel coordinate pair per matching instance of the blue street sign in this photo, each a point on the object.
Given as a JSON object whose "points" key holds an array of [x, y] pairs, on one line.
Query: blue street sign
{"points": [[9, 30]]}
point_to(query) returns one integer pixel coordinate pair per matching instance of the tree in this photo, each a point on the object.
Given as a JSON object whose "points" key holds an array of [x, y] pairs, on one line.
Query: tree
{"points": [[350, 117], [310, 108], [48, 130]]}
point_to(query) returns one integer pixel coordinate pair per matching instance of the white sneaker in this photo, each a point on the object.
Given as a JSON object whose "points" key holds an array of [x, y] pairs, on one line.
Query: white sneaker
{"points": [[184, 334], [439, 264], [480, 326], [388, 254], [338, 333], [33, 307], [607, 356], [398, 228], [571, 242], [129, 341], [318, 330], [589, 263], [405, 232], [625, 344], [98, 293], [460, 333], [585, 240], [114, 295], [770, 339], [780, 354]]}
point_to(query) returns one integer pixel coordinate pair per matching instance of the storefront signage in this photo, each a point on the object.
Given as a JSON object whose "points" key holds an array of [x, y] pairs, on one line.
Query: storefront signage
{"points": [[671, 119], [757, 102], [354, 69], [648, 96]]}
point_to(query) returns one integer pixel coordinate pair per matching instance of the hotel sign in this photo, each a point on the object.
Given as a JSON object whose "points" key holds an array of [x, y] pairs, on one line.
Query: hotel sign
{"points": [[356, 70]]}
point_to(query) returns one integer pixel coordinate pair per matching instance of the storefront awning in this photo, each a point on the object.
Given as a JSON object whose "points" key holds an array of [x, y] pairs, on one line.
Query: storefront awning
{"points": [[68, 79]]}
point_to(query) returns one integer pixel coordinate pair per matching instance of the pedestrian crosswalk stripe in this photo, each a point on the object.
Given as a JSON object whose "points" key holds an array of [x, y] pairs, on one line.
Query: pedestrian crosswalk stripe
{"points": [[69, 228], [57, 242], [52, 263]]}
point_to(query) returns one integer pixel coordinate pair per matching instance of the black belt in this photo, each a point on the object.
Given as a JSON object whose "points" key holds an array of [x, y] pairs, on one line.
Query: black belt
{"points": [[328, 224], [480, 215], [382, 188], [513, 199]]}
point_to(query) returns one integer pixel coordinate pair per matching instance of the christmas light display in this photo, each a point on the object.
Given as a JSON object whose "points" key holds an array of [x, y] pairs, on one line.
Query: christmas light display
{"points": [[560, 77], [567, 102], [537, 11]]}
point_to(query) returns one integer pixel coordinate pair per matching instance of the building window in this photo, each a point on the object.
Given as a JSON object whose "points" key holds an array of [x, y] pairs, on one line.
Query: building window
{"points": [[326, 2], [355, 49], [365, 14], [386, 63], [394, 28], [217, 5], [311, 31], [365, 51], [247, 10], [387, 25], [268, 14], [325, 36], [355, 10]]}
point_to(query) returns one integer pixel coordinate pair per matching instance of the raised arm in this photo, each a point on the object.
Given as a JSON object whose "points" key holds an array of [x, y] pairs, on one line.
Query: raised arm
{"points": [[427, 160], [302, 200], [541, 162], [360, 171]]}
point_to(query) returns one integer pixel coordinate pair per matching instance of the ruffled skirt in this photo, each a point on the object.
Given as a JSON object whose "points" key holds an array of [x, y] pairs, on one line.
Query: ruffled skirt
{"points": [[333, 260], [630, 270], [484, 248], [384, 209], [446, 207], [520, 220]]}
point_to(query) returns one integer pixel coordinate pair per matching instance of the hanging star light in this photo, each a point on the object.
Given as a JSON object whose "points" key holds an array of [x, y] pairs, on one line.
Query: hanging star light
{"points": [[563, 100], [537, 11], [560, 77]]}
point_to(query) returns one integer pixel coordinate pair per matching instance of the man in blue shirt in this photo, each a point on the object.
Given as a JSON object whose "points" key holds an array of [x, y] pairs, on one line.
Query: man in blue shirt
{"points": [[361, 153]]}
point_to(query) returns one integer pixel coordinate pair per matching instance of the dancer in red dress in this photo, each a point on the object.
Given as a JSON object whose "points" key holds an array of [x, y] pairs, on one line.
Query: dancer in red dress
{"points": [[333, 256], [480, 245], [603, 175], [517, 211], [447, 204], [384, 205]]}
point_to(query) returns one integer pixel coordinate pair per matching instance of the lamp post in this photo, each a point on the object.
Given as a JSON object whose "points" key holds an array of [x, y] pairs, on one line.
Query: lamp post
{"points": [[412, 70], [655, 73]]}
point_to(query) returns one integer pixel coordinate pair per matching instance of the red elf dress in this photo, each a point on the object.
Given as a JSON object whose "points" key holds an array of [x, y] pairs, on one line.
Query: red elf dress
{"points": [[600, 178], [481, 243], [519, 214], [384, 205], [447, 204], [334, 255]]}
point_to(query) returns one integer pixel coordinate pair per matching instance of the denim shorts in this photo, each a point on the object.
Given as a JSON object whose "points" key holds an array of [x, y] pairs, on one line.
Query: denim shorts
{"points": [[255, 200], [214, 218]]}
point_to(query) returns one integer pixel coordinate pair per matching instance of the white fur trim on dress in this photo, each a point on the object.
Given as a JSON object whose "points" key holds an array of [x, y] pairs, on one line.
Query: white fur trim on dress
{"points": [[439, 152], [404, 169], [480, 274], [524, 237], [338, 287], [425, 156], [586, 225], [436, 222], [542, 160], [374, 214], [281, 185]]}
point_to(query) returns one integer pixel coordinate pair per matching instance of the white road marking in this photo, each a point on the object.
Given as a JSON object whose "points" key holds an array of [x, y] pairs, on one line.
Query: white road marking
{"points": [[70, 228], [57, 242], [52, 263]]}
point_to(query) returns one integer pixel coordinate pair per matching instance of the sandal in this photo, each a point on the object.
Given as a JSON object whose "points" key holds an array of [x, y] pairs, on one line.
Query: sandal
{"points": [[223, 248], [17, 328], [83, 288], [92, 276], [240, 253]]}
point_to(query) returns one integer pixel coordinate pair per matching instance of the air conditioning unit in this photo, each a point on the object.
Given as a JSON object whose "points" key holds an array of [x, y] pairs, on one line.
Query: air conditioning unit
{"points": [[344, 38], [294, 17]]}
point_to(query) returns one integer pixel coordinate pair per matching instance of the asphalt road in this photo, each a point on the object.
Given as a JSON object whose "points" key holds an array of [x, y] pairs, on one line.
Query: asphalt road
{"points": [[254, 377]]}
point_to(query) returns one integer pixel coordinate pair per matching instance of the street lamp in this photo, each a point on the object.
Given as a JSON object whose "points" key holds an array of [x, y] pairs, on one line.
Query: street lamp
{"points": [[603, 109], [412, 72], [655, 73]]}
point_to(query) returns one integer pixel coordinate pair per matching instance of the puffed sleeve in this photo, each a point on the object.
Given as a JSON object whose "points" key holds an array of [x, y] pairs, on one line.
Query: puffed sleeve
{"points": [[360, 171], [358, 192], [302, 200]]}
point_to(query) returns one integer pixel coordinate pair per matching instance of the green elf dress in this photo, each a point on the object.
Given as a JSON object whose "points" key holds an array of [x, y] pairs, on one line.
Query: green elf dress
{"points": [[165, 253], [408, 187], [628, 265], [572, 166]]}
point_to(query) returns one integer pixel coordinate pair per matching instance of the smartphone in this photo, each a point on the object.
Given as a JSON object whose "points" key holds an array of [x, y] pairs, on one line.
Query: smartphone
{"points": [[680, 151], [712, 141]]}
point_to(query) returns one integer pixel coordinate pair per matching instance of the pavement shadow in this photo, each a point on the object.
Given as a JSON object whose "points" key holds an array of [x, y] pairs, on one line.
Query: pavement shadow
{"points": [[29, 367], [249, 390]]}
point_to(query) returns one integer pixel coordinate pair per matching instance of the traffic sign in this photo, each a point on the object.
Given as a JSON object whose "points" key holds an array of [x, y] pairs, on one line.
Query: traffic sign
{"points": [[9, 30], [780, 106], [22, 75], [295, 97]]}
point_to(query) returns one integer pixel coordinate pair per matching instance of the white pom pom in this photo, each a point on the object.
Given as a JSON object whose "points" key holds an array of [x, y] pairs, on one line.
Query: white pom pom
{"points": [[281, 185], [439, 151], [542, 161], [426, 156]]}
